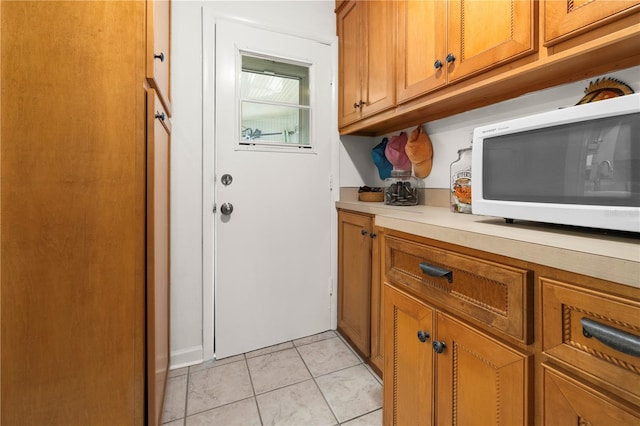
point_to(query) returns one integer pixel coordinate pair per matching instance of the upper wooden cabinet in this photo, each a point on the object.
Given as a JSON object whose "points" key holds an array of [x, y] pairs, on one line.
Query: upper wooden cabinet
{"points": [[366, 59], [440, 42], [452, 56], [158, 51], [567, 18]]}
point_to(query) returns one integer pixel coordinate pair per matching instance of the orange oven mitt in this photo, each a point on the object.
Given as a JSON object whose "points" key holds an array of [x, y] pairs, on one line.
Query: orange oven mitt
{"points": [[420, 151]]}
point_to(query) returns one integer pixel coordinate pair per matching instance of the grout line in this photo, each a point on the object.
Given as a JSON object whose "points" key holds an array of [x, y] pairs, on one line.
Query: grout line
{"points": [[318, 387], [186, 399], [253, 389]]}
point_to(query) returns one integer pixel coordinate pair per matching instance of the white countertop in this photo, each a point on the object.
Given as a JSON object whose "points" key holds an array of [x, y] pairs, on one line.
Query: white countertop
{"points": [[609, 256]]}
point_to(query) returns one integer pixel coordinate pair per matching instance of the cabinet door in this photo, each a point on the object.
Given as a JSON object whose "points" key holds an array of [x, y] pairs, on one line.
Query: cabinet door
{"points": [[479, 380], [421, 41], [567, 401], [474, 48], [354, 278], [72, 201], [158, 160], [158, 49], [349, 23], [377, 302], [408, 360], [566, 18], [378, 76]]}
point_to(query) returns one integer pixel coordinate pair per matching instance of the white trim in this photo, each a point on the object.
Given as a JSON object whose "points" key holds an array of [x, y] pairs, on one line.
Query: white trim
{"points": [[186, 357], [208, 180]]}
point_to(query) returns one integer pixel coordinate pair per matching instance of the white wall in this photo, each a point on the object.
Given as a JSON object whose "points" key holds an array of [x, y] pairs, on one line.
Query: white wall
{"points": [[450, 134], [313, 19]]}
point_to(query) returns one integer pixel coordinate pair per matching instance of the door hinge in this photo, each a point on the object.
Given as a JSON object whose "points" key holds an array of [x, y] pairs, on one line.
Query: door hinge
{"points": [[330, 286], [330, 182], [215, 207]]}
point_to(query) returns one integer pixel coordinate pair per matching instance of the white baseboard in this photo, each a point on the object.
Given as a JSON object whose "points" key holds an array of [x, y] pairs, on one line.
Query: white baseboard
{"points": [[186, 357]]}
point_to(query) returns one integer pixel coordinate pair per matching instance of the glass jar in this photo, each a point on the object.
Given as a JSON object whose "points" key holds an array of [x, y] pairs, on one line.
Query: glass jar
{"points": [[401, 189], [461, 182]]}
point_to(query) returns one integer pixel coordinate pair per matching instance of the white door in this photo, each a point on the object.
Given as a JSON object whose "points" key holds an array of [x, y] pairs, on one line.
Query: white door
{"points": [[273, 250]]}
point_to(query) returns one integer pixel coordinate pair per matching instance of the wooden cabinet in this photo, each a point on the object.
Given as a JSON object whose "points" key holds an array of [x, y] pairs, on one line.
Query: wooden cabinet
{"points": [[158, 185], [359, 292], [447, 62], [595, 335], [441, 42], [445, 369], [158, 49], [408, 387], [446, 372], [568, 401], [366, 59], [564, 19], [83, 217]]}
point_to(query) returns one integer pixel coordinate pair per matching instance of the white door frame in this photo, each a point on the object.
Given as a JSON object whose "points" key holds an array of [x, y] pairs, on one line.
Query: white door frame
{"points": [[209, 18]]}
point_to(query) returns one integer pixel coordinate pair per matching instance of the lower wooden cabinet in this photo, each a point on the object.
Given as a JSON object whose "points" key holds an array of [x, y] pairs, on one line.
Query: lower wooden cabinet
{"points": [[568, 401], [359, 292], [439, 370]]}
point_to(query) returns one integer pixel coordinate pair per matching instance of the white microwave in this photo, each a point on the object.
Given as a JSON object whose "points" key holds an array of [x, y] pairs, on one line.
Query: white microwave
{"points": [[576, 166]]}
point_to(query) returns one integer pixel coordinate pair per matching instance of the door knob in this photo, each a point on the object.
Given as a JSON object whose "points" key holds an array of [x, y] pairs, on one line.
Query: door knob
{"points": [[226, 209]]}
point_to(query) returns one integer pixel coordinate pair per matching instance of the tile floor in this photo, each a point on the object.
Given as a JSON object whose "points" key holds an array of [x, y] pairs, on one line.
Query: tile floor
{"points": [[316, 380]]}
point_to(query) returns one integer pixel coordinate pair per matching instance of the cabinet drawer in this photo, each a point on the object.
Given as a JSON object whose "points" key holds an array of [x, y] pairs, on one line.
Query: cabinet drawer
{"points": [[570, 314], [497, 295]]}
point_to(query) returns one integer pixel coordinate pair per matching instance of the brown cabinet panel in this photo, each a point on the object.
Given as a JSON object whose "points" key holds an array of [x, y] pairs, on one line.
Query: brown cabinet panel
{"points": [[158, 161], [349, 26], [408, 370], [366, 71], [568, 401], [158, 51], [478, 377], [485, 34], [567, 18], [564, 307], [354, 278], [73, 213], [421, 41], [496, 294]]}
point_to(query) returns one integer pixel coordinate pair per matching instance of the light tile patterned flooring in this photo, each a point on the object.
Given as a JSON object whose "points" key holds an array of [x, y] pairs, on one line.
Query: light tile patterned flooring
{"points": [[316, 380]]}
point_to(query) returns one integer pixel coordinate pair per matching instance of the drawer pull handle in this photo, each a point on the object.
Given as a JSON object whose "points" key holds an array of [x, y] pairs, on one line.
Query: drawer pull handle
{"points": [[619, 340], [434, 271]]}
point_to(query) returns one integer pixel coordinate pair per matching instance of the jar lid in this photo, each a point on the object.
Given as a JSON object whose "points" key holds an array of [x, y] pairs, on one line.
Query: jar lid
{"points": [[398, 173]]}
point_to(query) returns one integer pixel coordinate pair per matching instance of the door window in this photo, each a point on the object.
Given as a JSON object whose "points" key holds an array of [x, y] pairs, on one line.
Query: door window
{"points": [[274, 103]]}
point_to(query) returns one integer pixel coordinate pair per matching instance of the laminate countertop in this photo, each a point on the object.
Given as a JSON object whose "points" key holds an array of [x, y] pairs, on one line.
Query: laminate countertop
{"points": [[610, 256]]}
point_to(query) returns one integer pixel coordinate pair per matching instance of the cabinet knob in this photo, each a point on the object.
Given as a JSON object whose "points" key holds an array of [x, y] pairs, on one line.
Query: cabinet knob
{"points": [[450, 58], [361, 103], [373, 235], [438, 346], [160, 56], [355, 105], [437, 64], [160, 116], [363, 232], [423, 336]]}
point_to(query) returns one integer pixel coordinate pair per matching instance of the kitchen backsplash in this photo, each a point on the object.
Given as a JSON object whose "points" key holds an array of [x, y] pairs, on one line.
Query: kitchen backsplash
{"points": [[450, 134]]}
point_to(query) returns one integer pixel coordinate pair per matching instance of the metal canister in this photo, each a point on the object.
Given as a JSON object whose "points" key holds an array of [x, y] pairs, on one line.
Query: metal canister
{"points": [[461, 182]]}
